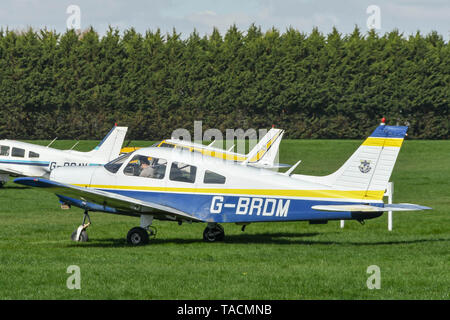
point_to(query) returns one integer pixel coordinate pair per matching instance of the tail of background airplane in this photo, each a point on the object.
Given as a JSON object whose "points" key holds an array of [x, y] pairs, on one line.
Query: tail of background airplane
{"points": [[265, 153], [369, 168], [109, 148]]}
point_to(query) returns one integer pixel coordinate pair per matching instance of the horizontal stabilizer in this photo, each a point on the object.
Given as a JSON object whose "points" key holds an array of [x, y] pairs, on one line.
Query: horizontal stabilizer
{"points": [[367, 208]]}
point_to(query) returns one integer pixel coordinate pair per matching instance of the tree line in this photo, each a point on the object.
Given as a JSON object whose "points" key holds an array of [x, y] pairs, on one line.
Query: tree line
{"points": [[313, 85]]}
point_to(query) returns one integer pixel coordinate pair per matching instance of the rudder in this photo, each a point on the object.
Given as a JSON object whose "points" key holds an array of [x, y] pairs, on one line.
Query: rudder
{"points": [[370, 167]]}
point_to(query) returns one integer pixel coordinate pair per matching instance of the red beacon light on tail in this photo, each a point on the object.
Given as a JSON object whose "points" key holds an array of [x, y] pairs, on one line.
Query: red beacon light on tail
{"points": [[383, 121]]}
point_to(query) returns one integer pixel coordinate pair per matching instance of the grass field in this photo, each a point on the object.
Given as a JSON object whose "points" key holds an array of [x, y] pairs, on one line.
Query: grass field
{"points": [[292, 260]]}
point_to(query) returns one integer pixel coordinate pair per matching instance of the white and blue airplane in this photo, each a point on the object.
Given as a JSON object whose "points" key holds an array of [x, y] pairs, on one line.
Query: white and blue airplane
{"points": [[176, 185], [20, 159]]}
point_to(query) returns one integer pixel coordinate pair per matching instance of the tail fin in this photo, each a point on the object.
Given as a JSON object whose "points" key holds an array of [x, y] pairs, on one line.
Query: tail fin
{"points": [[265, 153], [369, 168], [109, 148]]}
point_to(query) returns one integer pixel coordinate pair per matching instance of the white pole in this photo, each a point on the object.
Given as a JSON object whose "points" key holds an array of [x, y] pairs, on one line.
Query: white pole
{"points": [[342, 224], [390, 194]]}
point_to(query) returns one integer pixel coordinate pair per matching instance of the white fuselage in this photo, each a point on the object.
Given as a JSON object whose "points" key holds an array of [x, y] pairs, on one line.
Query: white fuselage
{"points": [[26, 159]]}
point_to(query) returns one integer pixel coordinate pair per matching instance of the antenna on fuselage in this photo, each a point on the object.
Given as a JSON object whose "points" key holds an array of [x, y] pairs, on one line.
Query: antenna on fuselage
{"points": [[75, 145], [52, 142], [291, 169]]}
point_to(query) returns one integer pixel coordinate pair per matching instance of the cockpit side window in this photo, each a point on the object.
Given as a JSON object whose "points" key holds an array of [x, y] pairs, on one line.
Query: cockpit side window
{"points": [[182, 172], [32, 154], [17, 152], [4, 151], [147, 167], [115, 165], [213, 178]]}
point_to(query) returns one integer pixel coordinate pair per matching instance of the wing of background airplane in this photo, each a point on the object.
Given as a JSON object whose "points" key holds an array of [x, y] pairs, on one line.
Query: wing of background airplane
{"points": [[103, 199], [265, 153]]}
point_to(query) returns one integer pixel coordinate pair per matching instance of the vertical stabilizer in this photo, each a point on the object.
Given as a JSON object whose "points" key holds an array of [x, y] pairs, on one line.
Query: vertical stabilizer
{"points": [[265, 153], [109, 148], [370, 167]]}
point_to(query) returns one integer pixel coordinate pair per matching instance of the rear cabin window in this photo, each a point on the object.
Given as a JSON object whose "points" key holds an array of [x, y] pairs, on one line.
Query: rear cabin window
{"points": [[182, 172], [17, 152], [4, 151], [212, 177], [32, 154]]}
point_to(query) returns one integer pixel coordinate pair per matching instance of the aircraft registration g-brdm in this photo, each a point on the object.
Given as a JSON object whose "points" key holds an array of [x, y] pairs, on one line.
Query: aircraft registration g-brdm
{"points": [[178, 185]]}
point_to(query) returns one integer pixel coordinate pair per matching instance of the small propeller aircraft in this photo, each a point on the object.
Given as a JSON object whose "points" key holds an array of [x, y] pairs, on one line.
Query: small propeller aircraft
{"points": [[182, 186], [25, 159], [263, 155]]}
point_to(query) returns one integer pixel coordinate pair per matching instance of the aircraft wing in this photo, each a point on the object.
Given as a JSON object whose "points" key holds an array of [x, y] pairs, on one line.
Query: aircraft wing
{"points": [[104, 199], [367, 208]]}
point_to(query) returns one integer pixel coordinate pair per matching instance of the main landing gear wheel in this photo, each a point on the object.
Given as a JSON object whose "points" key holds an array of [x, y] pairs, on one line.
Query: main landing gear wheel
{"points": [[213, 233], [138, 236]]}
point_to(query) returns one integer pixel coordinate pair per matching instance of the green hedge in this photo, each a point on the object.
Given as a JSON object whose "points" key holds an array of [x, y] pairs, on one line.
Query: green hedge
{"points": [[313, 85]]}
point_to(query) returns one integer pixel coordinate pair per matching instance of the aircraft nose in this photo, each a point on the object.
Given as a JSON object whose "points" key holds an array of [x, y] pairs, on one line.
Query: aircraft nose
{"points": [[73, 175]]}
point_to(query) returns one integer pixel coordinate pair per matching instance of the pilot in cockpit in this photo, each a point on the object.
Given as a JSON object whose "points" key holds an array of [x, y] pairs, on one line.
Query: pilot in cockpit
{"points": [[146, 169]]}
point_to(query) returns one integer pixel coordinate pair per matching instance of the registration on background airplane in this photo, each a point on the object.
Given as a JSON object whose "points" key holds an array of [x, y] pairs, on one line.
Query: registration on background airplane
{"points": [[263, 155], [170, 184], [25, 159]]}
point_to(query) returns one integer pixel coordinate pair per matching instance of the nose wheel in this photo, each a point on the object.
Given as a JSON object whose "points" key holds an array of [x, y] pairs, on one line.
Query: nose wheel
{"points": [[213, 232], [80, 234]]}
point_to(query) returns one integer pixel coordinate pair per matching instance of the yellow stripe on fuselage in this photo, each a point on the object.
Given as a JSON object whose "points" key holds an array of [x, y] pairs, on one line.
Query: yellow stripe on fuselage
{"points": [[383, 142], [329, 194]]}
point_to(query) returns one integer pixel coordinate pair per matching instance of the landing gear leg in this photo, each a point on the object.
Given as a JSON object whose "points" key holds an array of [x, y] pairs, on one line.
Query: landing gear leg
{"points": [[80, 234], [213, 232], [141, 235]]}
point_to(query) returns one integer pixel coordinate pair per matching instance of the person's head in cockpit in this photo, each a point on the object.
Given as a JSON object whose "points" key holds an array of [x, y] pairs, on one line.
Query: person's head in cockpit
{"points": [[146, 170]]}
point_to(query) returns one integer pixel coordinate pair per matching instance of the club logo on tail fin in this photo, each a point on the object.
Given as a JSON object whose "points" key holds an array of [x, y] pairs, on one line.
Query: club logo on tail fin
{"points": [[365, 167]]}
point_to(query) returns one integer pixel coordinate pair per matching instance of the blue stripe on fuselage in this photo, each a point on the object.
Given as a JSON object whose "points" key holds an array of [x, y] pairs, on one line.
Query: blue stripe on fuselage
{"points": [[26, 162], [251, 208]]}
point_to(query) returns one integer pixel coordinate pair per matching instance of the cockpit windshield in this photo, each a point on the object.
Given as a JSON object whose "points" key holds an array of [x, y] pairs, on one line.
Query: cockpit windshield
{"points": [[115, 165]]}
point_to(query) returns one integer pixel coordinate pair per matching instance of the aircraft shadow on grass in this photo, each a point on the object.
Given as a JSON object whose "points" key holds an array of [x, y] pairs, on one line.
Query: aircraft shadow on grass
{"points": [[16, 188], [259, 238]]}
